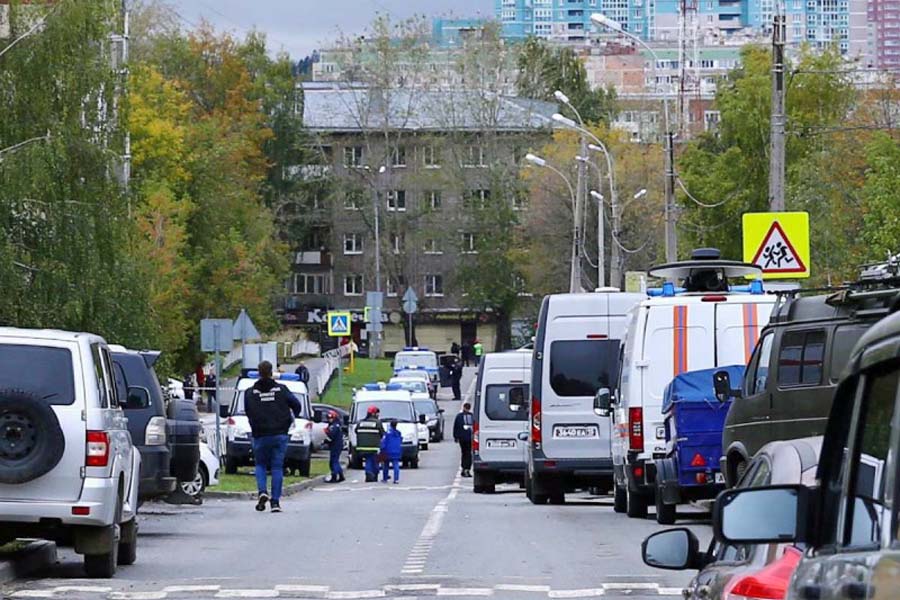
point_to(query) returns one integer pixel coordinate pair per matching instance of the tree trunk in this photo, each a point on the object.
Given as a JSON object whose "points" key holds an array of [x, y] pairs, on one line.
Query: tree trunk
{"points": [[504, 332]]}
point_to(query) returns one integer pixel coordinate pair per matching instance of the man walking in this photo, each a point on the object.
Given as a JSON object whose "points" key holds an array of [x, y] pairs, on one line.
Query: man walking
{"points": [[335, 435], [271, 409], [456, 371], [369, 432], [462, 434]]}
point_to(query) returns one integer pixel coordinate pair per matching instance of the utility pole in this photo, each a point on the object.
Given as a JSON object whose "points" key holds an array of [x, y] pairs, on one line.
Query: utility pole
{"points": [[615, 259], [375, 203], [777, 158], [671, 217], [575, 273]]}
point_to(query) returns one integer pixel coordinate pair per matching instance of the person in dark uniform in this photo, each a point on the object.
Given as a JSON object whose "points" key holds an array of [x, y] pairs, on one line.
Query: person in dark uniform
{"points": [[369, 432], [456, 371], [466, 352], [211, 393], [271, 409], [454, 349], [335, 434], [303, 372], [462, 434]]}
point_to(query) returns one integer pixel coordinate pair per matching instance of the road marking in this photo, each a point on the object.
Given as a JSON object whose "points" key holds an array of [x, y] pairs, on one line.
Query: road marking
{"points": [[515, 587], [669, 591], [32, 594], [247, 594], [585, 593], [89, 589], [465, 591], [298, 588], [630, 586], [138, 595], [413, 587], [354, 595], [188, 589]]}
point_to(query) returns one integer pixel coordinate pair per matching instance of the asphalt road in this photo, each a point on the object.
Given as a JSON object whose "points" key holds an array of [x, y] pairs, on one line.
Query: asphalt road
{"points": [[428, 536]]}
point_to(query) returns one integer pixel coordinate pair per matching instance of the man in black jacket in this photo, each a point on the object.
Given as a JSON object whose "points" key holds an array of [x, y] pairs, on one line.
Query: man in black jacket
{"points": [[462, 434], [271, 409]]}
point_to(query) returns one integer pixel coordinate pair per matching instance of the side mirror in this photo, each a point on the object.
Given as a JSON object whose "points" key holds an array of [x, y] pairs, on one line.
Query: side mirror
{"points": [[137, 398], [224, 411], [441, 411], [603, 402], [673, 549], [722, 386], [347, 420], [765, 515], [423, 419], [317, 416]]}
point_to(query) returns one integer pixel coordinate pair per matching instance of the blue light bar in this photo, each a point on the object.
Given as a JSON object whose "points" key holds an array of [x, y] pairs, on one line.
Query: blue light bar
{"points": [[281, 376], [415, 349], [382, 387]]}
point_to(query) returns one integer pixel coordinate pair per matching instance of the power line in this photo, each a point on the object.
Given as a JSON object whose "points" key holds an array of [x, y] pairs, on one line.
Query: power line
{"points": [[698, 202]]}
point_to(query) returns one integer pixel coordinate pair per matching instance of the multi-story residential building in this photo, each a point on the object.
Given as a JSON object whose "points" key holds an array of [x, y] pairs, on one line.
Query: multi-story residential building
{"points": [[424, 161], [884, 23]]}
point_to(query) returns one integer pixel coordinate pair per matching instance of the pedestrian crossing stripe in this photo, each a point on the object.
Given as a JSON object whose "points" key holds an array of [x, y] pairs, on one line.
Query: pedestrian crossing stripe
{"points": [[778, 242], [339, 324]]}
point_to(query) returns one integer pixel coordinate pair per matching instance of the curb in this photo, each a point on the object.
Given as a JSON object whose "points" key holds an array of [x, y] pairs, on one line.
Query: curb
{"points": [[35, 556], [294, 488]]}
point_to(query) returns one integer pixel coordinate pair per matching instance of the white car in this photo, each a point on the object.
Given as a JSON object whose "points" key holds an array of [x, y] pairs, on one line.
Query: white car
{"points": [[393, 403], [207, 473], [238, 443], [413, 357], [418, 390]]}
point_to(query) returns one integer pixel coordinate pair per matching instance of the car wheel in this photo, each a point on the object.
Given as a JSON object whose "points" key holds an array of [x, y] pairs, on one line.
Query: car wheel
{"points": [[483, 483], [665, 513], [304, 468], [635, 505], [197, 485], [231, 466], [536, 497], [620, 499], [102, 566], [128, 542], [414, 463]]}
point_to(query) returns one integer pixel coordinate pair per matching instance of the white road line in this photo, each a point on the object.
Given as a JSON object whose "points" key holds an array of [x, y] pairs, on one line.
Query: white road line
{"points": [[515, 587], [307, 589], [247, 594], [412, 587], [630, 586], [465, 592], [188, 589], [32, 594], [663, 591], [138, 596], [355, 595], [89, 589], [585, 593]]}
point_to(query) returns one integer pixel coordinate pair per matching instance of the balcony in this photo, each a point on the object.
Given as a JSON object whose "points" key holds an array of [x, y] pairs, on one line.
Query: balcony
{"points": [[316, 258]]}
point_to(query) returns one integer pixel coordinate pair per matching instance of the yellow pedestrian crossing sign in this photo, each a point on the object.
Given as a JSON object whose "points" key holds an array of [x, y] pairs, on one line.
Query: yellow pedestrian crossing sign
{"points": [[339, 324], [778, 242]]}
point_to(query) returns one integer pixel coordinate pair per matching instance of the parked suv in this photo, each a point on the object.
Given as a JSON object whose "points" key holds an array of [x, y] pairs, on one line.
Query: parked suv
{"points": [[849, 521], [170, 447], [68, 469], [790, 379]]}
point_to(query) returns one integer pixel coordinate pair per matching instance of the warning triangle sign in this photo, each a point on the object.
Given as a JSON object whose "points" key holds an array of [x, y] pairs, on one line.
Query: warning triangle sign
{"points": [[776, 254]]}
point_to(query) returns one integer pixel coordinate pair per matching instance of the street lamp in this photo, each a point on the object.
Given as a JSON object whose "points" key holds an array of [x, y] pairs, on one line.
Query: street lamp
{"points": [[640, 193], [602, 20], [381, 171], [574, 274]]}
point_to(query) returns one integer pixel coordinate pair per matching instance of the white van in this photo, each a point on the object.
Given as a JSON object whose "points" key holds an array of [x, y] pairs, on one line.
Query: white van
{"points": [[576, 353], [393, 402], [703, 325], [501, 419]]}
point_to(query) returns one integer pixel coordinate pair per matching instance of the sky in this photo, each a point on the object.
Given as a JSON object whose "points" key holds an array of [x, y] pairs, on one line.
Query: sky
{"points": [[300, 26]]}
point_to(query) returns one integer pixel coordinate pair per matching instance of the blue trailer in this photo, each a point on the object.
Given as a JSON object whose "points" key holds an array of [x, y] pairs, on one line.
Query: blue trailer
{"points": [[694, 420]]}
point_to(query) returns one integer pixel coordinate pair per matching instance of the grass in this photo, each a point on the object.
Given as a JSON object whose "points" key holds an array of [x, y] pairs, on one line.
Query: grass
{"points": [[12, 547], [245, 481], [366, 370]]}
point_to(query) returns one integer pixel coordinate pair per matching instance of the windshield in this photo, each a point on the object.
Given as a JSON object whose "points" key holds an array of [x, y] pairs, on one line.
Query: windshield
{"points": [[423, 375], [580, 368], [423, 359], [413, 386], [43, 372], [390, 409], [237, 404], [426, 407]]}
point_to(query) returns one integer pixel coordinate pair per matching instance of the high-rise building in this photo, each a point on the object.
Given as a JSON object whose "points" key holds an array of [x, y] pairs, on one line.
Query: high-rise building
{"points": [[884, 20]]}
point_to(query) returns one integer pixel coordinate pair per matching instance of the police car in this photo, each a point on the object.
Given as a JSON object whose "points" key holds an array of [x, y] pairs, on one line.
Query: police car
{"points": [[418, 390], [393, 402], [238, 440], [413, 358]]}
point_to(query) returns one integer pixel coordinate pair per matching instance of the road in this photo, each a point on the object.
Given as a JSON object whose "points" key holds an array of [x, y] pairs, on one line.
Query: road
{"points": [[429, 536]]}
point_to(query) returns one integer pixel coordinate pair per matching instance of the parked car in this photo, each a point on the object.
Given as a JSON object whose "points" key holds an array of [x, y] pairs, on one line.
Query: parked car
{"points": [[167, 433], [849, 521], [501, 420], [419, 358], [739, 571], [320, 418], [703, 324], [787, 388], [575, 354], [68, 468], [239, 444], [394, 403], [418, 373], [207, 474], [434, 418]]}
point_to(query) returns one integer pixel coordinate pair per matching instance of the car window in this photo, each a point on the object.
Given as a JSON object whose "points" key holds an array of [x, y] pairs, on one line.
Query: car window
{"points": [[38, 370], [801, 358], [426, 407], [758, 473], [99, 376], [843, 340], [758, 372], [866, 506], [581, 367], [498, 399]]}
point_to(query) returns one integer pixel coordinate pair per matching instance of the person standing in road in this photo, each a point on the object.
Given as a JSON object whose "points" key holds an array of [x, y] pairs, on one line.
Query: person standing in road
{"points": [[462, 434], [369, 432], [271, 409], [456, 371], [466, 352], [335, 435], [454, 349], [392, 449], [478, 349], [211, 392], [303, 372]]}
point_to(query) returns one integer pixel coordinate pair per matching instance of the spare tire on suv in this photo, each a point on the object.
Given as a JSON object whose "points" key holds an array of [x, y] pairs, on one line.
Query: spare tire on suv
{"points": [[31, 441]]}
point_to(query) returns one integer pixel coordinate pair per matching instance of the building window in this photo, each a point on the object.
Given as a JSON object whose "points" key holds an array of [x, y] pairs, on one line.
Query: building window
{"points": [[432, 246], [398, 156], [353, 285], [353, 200], [474, 156], [397, 243], [311, 283], [710, 119], [475, 199], [431, 157], [353, 243], [353, 156], [396, 200], [467, 244], [395, 285], [434, 285], [434, 199]]}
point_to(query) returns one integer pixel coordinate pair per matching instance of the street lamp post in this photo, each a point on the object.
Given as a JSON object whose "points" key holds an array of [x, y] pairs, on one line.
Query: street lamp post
{"points": [[574, 284], [376, 350], [671, 234], [580, 204]]}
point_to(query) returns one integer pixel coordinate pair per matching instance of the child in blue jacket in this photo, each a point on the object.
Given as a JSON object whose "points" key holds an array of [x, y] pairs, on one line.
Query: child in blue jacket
{"points": [[392, 449]]}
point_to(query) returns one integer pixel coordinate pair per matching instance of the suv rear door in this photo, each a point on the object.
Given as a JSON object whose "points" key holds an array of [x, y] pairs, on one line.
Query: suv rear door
{"points": [[49, 372]]}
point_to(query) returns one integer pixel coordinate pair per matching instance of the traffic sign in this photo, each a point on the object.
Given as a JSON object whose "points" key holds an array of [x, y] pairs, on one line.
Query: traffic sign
{"points": [[410, 301], [339, 324], [215, 335], [244, 329], [779, 243]]}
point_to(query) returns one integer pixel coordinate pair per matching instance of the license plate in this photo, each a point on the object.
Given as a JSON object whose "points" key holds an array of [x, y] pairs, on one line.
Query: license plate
{"points": [[501, 444], [720, 478], [576, 431]]}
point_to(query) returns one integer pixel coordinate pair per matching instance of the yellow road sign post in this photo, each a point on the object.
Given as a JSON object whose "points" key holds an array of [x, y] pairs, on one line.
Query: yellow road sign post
{"points": [[779, 243]]}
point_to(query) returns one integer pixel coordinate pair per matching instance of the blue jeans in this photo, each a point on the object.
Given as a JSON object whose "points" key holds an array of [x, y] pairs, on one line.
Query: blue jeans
{"points": [[335, 456], [384, 472], [268, 454]]}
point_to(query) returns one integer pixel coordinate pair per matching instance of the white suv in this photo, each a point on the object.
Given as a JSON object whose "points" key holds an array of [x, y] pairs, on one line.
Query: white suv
{"points": [[68, 469]]}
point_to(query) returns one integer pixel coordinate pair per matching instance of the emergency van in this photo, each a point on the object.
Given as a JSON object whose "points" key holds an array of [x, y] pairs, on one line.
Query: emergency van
{"points": [[414, 357], [393, 403]]}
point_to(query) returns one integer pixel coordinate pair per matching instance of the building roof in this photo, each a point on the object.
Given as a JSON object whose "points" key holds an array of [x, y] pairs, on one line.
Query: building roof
{"points": [[351, 109]]}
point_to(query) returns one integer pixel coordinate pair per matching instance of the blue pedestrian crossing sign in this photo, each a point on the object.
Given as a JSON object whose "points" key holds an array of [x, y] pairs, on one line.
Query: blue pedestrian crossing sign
{"points": [[339, 324]]}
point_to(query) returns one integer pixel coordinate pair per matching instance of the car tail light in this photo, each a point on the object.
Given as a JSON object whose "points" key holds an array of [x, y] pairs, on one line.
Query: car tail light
{"points": [[770, 583], [476, 443], [636, 429], [97, 449], [535, 420], [230, 421], [81, 511], [638, 472], [309, 426], [155, 433], [714, 299], [700, 478], [698, 460]]}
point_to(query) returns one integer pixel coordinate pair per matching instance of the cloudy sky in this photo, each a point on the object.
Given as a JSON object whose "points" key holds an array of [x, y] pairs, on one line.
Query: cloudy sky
{"points": [[299, 26]]}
